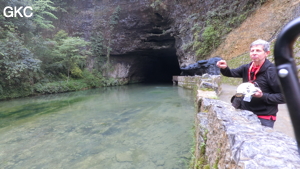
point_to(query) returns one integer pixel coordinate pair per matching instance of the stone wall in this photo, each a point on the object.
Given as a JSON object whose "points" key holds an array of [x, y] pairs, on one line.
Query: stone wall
{"points": [[209, 84], [235, 139]]}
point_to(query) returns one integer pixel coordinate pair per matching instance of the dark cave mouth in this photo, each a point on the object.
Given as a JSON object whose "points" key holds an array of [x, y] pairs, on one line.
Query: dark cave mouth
{"points": [[155, 66], [161, 69], [160, 66]]}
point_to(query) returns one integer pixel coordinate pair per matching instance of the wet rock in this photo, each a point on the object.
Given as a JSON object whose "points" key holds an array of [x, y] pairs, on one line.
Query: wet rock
{"points": [[124, 157], [160, 162]]}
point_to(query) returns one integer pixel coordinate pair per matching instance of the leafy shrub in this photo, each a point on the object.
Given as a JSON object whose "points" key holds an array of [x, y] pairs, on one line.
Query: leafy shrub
{"points": [[76, 72], [92, 79], [60, 87], [16, 91], [17, 63]]}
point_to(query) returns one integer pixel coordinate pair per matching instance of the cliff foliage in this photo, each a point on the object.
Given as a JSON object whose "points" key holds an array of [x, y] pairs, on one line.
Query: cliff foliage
{"points": [[218, 23], [37, 57], [75, 44]]}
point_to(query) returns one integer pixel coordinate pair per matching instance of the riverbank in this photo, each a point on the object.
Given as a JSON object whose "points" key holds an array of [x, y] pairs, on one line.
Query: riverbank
{"points": [[89, 81], [283, 123]]}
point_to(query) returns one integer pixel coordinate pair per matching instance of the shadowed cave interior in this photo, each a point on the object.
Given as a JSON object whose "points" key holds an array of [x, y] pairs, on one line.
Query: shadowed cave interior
{"points": [[153, 66]]}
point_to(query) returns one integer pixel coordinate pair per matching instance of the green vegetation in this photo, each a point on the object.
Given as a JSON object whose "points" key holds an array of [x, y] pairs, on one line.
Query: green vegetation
{"points": [[71, 53], [37, 58], [102, 41], [113, 21], [219, 22], [211, 39], [97, 49], [42, 10], [201, 162]]}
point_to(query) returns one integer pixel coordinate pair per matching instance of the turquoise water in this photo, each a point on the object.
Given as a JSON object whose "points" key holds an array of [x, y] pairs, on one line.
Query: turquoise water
{"points": [[126, 127]]}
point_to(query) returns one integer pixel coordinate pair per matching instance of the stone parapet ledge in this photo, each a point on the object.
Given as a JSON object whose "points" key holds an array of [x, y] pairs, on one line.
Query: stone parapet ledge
{"points": [[187, 82], [235, 139], [208, 86]]}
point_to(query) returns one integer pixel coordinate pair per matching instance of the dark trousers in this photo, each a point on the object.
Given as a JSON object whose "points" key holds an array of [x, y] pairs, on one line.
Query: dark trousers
{"points": [[268, 123]]}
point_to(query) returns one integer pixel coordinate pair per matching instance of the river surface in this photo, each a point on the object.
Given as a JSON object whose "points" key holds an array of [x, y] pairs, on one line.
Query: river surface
{"points": [[125, 127]]}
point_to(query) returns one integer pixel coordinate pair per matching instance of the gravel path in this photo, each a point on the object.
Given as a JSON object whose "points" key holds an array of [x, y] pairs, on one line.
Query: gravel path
{"points": [[283, 123]]}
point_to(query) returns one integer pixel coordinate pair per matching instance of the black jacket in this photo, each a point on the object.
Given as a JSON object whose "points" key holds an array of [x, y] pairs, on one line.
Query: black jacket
{"points": [[266, 78]]}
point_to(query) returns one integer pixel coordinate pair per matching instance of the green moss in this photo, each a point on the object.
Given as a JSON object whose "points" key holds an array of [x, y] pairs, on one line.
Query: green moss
{"points": [[206, 166], [207, 89], [201, 162], [216, 163], [210, 40]]}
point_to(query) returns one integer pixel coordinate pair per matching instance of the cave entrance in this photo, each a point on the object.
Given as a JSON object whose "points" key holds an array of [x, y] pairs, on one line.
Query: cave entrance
{"points": [[161, 68], [152, 66], [155, 67]]}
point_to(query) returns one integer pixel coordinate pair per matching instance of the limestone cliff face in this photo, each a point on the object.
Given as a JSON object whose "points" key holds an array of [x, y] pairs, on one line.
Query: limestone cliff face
{"points": [[152, 38]]}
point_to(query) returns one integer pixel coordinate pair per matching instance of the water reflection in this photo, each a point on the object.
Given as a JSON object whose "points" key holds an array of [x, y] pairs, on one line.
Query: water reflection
{"points": [[135, 126]]}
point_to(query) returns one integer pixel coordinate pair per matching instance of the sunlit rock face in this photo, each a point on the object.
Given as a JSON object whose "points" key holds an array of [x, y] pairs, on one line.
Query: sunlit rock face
{"points": [[154, 37]]}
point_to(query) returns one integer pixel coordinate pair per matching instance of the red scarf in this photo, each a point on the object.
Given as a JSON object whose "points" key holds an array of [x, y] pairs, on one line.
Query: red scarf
{"points": [[253, 70]]}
